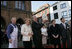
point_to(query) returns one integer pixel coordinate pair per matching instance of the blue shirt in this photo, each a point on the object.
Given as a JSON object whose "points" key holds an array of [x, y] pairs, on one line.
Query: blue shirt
{"points": [[10, 30]]}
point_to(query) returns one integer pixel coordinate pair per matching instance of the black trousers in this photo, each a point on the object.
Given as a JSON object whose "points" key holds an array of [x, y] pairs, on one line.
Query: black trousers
{"points": [[64, 42], [27, 44], [59, 45], [37, 42], [56, 42], [68, 43]]}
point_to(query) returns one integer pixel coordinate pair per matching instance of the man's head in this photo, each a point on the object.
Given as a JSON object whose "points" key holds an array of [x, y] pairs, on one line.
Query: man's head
{"points": [[34, 18], [53, 22], [13, 20], [62, 20], [44, 21]]}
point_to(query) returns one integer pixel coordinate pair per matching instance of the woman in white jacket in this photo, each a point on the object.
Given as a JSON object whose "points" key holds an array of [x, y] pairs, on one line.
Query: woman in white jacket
{"points": [[27, 33]]}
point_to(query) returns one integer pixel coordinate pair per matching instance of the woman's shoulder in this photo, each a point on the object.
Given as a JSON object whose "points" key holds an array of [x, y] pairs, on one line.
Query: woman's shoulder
{"points": [[57, 25], [41, 28], [24, 25]]}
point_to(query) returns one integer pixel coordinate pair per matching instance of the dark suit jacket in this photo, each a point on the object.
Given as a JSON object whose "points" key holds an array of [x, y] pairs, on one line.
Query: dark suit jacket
{"points": [[36, 28], [69, 31], [63, 31], [54, 30]]}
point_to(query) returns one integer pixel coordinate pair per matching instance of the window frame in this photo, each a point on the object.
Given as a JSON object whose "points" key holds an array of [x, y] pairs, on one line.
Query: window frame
{"points": [[56, 15], [54, 7], [69, 11], [4, 3], [23, 7], [16, 4], [20, 5], [64, 14], [63, 5]]}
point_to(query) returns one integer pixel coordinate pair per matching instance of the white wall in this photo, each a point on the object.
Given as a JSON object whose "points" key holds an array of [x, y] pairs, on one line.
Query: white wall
{"points": [[59, 10]]}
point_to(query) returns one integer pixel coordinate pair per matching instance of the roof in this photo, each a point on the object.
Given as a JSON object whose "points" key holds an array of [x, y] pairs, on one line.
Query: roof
{"points": [[55, 3]]}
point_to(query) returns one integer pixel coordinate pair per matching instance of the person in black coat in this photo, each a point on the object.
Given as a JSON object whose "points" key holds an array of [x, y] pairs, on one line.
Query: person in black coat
{"points": [[69, 34], [55, 34], [63, 29], [37, 37], [1, 33]]}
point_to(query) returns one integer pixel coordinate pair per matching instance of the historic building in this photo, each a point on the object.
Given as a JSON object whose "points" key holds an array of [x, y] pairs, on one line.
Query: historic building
{"points": [[60, 9], [43, 13], [19, 9]]}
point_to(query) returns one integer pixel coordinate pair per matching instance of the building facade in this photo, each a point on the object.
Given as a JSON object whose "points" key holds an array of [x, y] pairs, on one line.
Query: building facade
{"points": [[19, 9], [60, 9], [44, 13]]}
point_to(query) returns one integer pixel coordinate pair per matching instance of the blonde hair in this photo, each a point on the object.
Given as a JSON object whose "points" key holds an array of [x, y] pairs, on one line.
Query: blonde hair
{"points": [[27, 19]]}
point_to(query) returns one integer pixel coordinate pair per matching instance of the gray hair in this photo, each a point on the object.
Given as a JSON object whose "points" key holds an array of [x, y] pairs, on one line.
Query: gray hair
{"points": [[13, 18]]}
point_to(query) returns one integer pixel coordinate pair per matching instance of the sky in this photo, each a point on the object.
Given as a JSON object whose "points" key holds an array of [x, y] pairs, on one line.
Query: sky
{"points": [[36, 4]]}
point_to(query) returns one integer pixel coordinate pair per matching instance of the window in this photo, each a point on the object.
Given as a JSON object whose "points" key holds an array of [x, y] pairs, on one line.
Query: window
{"points": [[63, 5], [16, 4], [19, 4], [64, 14], [55, 7], [70, 12], [55, 15], [1, 2], [4, 3], [23, 6]]}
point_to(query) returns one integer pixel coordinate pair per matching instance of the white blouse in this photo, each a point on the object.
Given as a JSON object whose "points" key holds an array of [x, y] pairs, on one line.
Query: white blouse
{"points": [[44, 31], [25, 30]]}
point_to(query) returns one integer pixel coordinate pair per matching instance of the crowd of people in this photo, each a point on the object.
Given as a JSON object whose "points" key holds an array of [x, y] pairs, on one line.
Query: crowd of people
{"points": [[39, 33]]}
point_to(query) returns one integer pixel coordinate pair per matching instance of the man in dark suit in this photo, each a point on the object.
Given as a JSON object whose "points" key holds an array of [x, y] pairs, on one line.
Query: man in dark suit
{"points": [[63, 29], [37, 37], [69, 34]]}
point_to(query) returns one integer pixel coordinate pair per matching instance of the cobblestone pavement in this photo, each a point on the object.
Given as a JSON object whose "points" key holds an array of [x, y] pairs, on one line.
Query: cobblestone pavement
{"points": [[5, 45]]}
